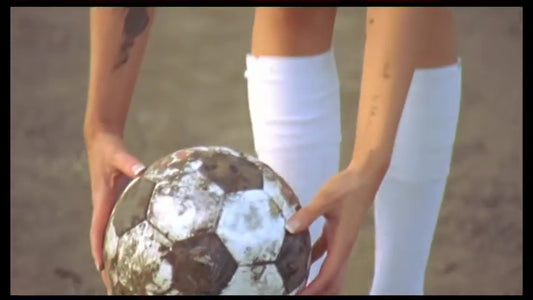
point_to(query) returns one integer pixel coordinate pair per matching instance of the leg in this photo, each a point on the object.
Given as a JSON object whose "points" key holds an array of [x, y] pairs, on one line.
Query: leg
{"points": [[408, 201], [294, 101]]}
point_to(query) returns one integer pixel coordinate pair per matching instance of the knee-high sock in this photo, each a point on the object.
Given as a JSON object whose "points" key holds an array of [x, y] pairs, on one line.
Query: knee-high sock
{"points": [[408, 201], [294, 106]]}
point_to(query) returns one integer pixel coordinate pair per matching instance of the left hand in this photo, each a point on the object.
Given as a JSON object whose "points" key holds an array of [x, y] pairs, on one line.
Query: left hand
{"points": [[344, 201]]}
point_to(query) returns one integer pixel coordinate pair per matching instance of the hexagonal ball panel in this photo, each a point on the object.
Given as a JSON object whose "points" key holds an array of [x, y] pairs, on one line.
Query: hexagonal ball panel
{"points": [[110, 245], [201, 265], [167, 167], [251, 227], [139, 267], [293, 260], [281, 192], [132, 206], [232, 173], [299, 288], [262, 279], [227, 150], [187, 205]]}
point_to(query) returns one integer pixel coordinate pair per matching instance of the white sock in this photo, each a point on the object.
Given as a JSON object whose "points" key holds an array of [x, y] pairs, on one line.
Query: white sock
{"points": [[295, 112], [408, 201]]}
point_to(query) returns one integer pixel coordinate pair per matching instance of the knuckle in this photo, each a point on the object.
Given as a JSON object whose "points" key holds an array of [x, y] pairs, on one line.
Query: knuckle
{"points": [[327, 198]]}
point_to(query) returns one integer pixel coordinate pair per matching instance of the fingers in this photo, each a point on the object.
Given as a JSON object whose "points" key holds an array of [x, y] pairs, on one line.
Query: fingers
{"points": [[319, 248], [334, 288], [330, 271], [121, 183], [307, 214], [111, 169], [107, 282], [101, 212], [127, 164]]}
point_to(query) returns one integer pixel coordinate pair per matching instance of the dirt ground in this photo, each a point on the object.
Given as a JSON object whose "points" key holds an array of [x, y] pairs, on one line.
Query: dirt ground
{"points": [[192, 91]]}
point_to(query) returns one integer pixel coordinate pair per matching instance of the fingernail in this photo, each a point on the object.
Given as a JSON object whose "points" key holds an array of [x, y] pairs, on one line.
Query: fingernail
{"points": [[138, 168], [99, 268], [292, 225]]}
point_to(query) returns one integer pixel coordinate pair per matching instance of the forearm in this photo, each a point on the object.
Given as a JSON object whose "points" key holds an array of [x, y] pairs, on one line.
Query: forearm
{"points": [[118, 40], [395, 37]]}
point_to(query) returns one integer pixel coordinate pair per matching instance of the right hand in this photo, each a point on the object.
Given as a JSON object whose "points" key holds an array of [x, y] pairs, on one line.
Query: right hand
{"points": [[111, 169]]}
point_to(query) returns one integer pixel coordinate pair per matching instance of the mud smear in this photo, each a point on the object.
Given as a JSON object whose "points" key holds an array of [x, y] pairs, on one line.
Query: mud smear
{"points": [[229, 172]]}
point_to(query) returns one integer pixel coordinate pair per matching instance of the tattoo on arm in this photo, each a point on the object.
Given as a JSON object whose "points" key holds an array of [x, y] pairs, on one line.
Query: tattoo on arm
{"points": [[134, 24]]}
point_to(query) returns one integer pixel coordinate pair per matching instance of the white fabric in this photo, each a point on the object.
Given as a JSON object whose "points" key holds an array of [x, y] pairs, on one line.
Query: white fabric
{"points": [[294, 106], [408, 201]]}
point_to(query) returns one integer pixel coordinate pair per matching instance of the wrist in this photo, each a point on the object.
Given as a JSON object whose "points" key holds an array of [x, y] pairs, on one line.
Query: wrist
{"points": [[373, 164], [95, 125], [93, 130]]}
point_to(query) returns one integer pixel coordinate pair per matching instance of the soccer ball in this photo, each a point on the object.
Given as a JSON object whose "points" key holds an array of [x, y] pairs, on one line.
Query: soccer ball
{"points": [[206, 221]]}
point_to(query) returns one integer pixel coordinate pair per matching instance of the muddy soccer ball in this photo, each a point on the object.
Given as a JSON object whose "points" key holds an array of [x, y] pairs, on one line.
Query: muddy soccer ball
{"points": [[206, 221]]}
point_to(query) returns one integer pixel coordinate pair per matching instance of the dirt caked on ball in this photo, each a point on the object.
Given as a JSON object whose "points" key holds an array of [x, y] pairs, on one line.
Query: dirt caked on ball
{"points": [[206, 221]]}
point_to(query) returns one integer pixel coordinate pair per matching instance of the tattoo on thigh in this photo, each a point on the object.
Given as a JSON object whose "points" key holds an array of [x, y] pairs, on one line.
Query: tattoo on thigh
{"points": [[134, 24]]}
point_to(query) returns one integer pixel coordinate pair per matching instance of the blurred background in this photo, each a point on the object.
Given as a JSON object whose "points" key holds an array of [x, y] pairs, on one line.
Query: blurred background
{"points": [[191, 91]]}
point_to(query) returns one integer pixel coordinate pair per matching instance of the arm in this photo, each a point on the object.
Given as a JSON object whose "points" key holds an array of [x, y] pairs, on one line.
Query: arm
{"points": [[118, 41], [395, 40]]}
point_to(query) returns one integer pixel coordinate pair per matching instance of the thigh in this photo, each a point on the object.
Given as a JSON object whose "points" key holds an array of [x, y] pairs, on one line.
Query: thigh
{"points": [[292, 31]]}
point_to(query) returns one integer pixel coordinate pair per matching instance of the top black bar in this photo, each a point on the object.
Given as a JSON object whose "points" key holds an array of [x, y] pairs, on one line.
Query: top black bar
{"points": [[447, 3]]}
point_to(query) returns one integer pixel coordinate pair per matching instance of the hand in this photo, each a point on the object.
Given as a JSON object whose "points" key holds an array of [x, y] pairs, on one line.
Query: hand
{"points": [[111, 168], [344, 201]]}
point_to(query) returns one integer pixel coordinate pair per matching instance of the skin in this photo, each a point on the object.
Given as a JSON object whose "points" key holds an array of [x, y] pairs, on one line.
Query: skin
{"points": [[118, 40], [398, 40], [292, 31]]}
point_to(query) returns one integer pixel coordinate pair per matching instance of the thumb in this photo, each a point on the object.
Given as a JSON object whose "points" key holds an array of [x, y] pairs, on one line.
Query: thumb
{"points": [[127, 164], [306, 215]]}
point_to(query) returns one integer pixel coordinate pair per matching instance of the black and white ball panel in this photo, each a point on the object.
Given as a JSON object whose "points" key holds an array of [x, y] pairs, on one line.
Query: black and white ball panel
{"points": [[206, 221]]}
